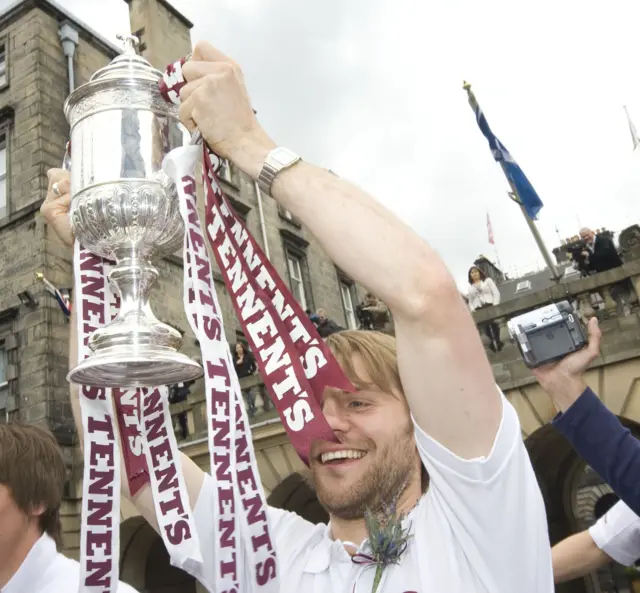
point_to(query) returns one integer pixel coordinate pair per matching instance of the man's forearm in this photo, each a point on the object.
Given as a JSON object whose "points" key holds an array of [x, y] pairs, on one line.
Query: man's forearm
{"points": [[575, 557], [382, 253]]}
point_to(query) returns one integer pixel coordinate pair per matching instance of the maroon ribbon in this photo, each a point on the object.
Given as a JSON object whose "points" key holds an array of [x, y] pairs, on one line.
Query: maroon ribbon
{"points": [[294, 362]]}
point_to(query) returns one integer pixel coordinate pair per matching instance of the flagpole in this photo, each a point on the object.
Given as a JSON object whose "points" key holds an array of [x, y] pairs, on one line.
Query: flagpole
{"points": [[492, 241], [536, 234], [495, 249], [530, 223]]}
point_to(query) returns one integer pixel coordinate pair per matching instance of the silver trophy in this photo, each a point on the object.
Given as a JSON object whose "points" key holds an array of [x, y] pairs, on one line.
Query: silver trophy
{"points": [[125, 209]]}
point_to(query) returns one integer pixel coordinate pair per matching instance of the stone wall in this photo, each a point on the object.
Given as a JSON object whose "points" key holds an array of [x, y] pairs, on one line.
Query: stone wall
{"points": [[164, 33]]}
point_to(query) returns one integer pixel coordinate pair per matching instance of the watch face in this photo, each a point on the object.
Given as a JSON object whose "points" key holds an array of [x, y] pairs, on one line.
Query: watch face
{"points": [[283, 156]]}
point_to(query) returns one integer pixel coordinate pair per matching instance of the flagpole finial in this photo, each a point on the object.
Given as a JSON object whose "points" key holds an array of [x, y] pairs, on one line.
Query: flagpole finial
{"points": [[466, 86], [39, 275]]}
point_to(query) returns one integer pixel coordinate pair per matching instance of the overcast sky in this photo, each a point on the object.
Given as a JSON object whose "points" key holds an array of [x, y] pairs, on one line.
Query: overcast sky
{"points": [[373, 90]]}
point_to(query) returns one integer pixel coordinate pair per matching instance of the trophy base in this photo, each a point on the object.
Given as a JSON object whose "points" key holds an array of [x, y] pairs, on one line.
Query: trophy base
{"points": [[147, 367]]}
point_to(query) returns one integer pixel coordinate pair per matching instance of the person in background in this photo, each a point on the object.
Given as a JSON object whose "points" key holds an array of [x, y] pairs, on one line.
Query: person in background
{"points": [[179, 393], [373, 314], [32, 477], [601, 255], [614, 537], [326, 326], [245, 365], [590, 427], [484, 293]]}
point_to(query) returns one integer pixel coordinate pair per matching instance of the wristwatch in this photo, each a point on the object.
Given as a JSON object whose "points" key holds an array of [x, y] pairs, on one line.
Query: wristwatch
{"points": [[278, 159]]}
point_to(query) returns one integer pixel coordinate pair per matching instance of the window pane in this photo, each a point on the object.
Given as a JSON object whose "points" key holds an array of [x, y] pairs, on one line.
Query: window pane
{"points": [[347, 301], [4, 392], [297, 284], [3, 365], [3, 67], [3, 160], [225, 170], [3, 195]]}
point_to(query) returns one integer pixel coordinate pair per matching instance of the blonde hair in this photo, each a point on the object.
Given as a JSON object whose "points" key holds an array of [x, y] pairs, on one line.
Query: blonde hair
{"points": [[377, 352]]}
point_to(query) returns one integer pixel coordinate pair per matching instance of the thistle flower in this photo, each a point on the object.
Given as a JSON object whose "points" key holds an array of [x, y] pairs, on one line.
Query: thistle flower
{"points": [[387, 540]]}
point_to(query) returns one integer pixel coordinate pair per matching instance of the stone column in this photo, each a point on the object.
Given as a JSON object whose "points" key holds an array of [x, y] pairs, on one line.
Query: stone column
{"points": [[635, 280], [584, 306]]}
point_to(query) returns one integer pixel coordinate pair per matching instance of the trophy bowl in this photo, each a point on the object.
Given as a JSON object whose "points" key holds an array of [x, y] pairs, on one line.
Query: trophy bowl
{"points": [[125, 209]]}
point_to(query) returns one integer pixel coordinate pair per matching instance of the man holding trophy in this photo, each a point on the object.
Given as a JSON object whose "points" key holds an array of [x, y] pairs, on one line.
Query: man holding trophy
{"points": [[423, 471]]}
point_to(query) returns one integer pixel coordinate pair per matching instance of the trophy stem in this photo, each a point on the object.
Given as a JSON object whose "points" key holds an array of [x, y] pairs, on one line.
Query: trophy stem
{"points": [[135, 349], [135, 325]]}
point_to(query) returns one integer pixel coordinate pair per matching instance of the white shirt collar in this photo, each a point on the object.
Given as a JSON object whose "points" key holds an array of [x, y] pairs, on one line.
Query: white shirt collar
{"points": [[327, 551], [40, 557]]}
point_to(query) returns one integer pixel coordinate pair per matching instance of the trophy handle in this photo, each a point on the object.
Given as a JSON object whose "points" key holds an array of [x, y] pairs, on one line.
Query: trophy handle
{"points": [[66, 161]]}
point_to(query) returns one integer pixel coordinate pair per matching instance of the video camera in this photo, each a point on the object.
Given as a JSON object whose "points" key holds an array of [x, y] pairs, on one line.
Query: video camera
{"points": [[575, 250], [547, 334]]}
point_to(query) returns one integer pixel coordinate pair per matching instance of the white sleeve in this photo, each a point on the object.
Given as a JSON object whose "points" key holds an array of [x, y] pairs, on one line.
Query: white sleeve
{"points": [[617, 534], [471, 297], [494, 507], [494, 291]]}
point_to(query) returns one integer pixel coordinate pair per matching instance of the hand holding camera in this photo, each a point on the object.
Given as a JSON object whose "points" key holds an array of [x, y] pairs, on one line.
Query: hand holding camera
{"points": [[547, 334]]}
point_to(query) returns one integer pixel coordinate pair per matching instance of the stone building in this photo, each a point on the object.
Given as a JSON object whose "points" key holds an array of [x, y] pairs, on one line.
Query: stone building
{"points": [[44, 52], [34, 81]]}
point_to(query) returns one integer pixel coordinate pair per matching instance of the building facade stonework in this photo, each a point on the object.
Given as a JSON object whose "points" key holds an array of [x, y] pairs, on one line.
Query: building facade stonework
{"points": [[34, 83]]}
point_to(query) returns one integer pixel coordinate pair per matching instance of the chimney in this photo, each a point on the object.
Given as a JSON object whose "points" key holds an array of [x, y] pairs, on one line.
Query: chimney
{"points": [[164, 33]]}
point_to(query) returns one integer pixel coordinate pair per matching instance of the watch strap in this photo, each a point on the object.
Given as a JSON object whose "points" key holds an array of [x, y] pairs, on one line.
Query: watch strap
{"points": [[271, 167]]}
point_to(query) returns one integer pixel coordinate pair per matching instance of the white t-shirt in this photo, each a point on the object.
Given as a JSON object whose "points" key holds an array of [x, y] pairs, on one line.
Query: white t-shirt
{"points": [[481, 527], [44, 570], [617, 534]]}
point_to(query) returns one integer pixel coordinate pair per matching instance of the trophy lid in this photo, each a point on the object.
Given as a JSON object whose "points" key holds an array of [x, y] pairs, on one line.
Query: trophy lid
{"points": [[128, 81], [128, 65]]}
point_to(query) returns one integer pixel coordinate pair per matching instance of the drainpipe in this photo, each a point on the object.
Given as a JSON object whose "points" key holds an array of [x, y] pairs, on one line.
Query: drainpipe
{"points": [[263, 226], [69, 38]]}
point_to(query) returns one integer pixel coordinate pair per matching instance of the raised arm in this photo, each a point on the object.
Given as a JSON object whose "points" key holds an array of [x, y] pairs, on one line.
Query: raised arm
{"points": [[445, 374]]}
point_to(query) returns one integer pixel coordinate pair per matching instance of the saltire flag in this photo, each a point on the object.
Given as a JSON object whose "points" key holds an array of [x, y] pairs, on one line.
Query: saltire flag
{"points": [[526, 195], [63, 296], [632, 130], [490, 230]]}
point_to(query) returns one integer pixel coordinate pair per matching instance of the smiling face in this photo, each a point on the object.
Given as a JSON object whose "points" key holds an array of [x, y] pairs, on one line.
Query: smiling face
{"points": [[376, 456]]}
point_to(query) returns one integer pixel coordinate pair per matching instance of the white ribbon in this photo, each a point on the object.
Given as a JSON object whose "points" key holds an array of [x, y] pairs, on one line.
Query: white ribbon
{"points": [[100, 534], [242, 564]]}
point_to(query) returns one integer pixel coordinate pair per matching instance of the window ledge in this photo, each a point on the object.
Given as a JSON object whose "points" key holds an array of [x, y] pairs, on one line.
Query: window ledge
{"points": [[20, 214], [294, 238]]}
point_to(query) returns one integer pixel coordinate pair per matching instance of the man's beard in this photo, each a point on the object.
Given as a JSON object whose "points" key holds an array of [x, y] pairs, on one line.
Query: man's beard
{"points": [[381, 485]]}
